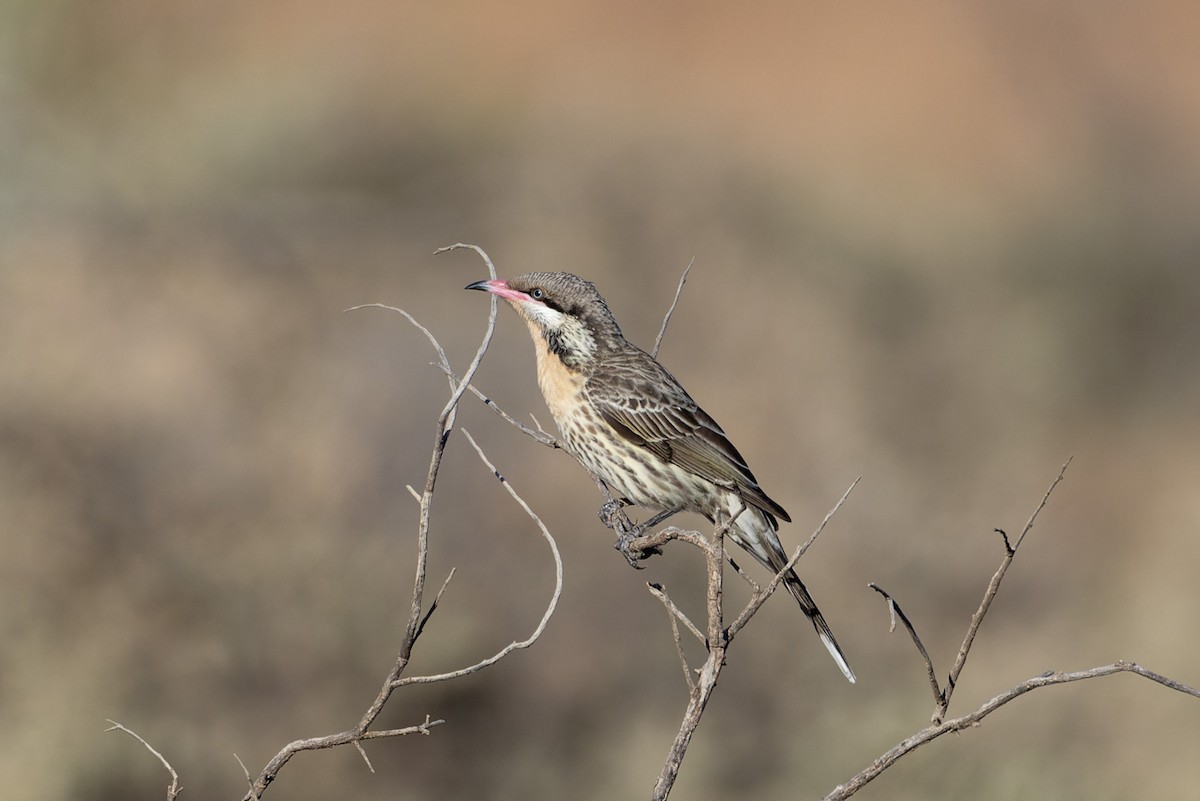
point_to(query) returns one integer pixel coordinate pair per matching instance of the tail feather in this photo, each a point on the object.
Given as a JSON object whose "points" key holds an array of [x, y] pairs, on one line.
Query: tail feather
{"points": [[754, 530], [800, 593]]}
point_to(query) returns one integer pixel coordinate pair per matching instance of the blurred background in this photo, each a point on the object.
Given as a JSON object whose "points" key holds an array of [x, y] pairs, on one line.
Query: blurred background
{"points": [[940, 246]]}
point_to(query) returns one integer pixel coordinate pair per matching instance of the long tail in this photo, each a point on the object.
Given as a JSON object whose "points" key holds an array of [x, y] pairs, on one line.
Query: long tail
{"points": [[804, 598], [754, 530]]}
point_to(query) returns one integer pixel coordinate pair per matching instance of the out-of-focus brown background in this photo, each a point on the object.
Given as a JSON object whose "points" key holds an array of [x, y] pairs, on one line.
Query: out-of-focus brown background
{"points": [[942, 246]]}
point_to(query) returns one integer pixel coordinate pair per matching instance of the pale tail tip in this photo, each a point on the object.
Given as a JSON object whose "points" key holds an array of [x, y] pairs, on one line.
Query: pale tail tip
{"points": [[836, 653]]}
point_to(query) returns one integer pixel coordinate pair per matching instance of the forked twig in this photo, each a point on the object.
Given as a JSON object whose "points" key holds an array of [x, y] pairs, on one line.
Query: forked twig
{"points": [[541, 626], [437, 599], [1010, 552], [660, 593], [418, 617], [939, 725], [895, 611], [539, 435], [674, 615], [719, 635], [933, 731]]}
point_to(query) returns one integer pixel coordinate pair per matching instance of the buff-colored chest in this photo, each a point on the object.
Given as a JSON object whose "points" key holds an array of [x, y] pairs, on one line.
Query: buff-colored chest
{"points": [[628, 470], [562, 388]]}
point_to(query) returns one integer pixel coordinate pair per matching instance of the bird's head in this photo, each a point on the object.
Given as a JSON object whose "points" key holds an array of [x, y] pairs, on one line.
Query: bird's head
{"points": [[563, 309]]}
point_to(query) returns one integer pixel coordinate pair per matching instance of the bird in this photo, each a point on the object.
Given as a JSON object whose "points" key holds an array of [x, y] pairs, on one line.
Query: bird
{"points": [[631, 424]]}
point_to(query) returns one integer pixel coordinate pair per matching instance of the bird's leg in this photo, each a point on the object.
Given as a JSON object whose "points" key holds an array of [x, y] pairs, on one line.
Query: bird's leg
{"points": [[612, 514], [660, 517], [630, 532], [627, 535]]}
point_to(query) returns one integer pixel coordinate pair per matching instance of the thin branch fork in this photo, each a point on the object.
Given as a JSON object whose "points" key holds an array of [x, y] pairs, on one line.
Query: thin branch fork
{"points": [[418, 616], [541, 626], [895, 611], [719, 636], [941, 696], [939, 725], [933, 731], [1010, 553], [717, 643]]}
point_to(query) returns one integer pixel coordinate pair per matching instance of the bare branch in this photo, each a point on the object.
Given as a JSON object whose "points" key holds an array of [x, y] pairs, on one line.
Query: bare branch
{"points": [[933, 731], [746, 577], [539, 436], [895, 610], [701, 691], [437, 599], [487, 335], [939, 725], [464, 246], [717, 643], [661, 594], [330, 741], [443, 361], [940, 709], [173, 788], [634, 542], [420, 728], [667, 319], [558, 584], [417, 619], [245, 770], [674, 615], [537, 423], [362, 753]]}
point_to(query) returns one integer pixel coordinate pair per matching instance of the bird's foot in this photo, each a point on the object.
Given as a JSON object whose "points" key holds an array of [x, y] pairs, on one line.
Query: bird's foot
{"points": [[612, 515], [633, 553], [628, 533]]}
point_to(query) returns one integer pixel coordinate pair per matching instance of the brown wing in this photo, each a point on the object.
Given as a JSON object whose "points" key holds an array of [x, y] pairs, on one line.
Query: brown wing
{"points": [[646, 404]]}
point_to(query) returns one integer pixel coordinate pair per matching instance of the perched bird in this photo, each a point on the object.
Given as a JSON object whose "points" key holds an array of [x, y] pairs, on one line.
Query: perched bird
{"points": [[630, 423]]}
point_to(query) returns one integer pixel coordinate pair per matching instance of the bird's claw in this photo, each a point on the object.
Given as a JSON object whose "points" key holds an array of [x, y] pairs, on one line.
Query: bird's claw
{"points": [[612, 514], [633, 553]]}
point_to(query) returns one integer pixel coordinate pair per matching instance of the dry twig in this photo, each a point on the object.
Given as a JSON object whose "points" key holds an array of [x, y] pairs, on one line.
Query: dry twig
{"points": [[418, 617], [173, 788], [939, 725], [895, 611], [1010, 552], [674, 302], [933, 731], [719, 636]]}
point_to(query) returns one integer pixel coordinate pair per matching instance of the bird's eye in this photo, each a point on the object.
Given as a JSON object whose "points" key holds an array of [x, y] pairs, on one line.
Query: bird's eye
{"points": [[536, 293]]}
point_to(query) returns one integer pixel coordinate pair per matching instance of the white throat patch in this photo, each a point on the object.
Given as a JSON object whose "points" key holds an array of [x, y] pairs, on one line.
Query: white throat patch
{"points": [[566, 336]]}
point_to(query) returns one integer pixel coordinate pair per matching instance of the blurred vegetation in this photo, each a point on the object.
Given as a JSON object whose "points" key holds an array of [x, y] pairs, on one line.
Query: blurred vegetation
{"points": [[942, 247]]}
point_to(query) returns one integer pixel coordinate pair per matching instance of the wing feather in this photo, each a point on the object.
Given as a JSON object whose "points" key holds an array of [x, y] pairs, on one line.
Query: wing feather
{"points": [[647, 406]]}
